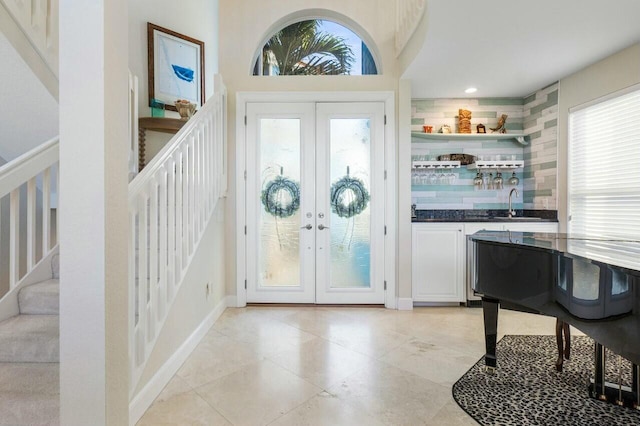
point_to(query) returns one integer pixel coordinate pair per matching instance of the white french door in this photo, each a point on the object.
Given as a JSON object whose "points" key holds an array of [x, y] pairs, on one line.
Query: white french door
{"points": [[315, 202]]}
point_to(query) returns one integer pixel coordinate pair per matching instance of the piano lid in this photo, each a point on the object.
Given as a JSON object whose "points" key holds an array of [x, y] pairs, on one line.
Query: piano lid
{"points": [[615, 251]]}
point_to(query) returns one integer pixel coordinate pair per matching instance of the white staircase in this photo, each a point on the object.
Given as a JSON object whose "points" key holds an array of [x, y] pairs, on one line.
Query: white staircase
{"points": [[33, 334]]}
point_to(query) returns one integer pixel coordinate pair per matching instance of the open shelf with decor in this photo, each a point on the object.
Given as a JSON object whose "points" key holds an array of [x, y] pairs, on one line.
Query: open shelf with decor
{"points": [[518, 137]]}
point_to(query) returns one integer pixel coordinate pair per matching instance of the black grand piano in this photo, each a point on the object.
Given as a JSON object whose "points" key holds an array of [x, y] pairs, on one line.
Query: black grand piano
{"points": [[590, 283]]}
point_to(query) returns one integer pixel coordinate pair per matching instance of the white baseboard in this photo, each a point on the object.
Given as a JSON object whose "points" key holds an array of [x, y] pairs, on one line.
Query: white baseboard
{"points": [[143, 400], [232, 301], [405, 304]]}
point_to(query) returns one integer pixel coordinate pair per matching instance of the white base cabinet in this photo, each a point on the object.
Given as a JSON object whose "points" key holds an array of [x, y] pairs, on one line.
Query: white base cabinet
{"points": [[437, 267], [440, 258]]}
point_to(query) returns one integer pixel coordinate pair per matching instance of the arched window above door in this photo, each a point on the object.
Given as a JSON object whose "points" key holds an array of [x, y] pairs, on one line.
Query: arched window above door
{"points": [[315, 47]]}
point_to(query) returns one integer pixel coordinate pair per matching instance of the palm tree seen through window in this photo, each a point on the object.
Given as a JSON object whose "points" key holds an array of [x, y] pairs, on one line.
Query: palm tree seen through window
{"points": [[314, 47]]}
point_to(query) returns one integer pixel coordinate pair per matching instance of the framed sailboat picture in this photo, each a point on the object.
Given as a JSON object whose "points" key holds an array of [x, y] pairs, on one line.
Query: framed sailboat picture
{"points": [[176, 67]]}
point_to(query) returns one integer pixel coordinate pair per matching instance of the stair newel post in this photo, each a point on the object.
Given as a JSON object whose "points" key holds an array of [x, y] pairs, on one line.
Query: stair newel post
{"points": [[94, 156]]}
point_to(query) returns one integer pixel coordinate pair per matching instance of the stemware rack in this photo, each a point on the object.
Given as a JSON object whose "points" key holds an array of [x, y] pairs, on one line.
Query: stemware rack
{"points": [[496, 164], [432, 164]]}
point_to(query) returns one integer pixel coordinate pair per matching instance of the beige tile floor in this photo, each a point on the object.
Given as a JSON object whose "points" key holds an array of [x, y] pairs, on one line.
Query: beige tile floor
{"points": [[331, 366], [303, 366]]}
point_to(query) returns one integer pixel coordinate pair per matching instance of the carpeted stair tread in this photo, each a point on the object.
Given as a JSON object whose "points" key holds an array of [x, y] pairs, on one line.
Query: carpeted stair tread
{"points": [[30, 338], [41, 298]]}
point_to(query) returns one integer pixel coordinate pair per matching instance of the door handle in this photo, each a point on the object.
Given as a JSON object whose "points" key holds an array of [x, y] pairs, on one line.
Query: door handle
{"points": [[321, 227], [307, 226]]}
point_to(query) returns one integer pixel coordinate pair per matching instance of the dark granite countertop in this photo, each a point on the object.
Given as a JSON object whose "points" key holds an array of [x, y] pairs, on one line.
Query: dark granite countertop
{"points": [[484, 216]]}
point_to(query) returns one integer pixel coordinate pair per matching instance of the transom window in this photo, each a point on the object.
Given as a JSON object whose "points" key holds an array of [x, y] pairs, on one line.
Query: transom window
{"points": [[315, 47]]}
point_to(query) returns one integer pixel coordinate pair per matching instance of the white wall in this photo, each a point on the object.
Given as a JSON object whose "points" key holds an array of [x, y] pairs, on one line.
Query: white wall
{"points": [[192, 303], [404, 195], [245, 25], [197, 19], [194, 18], [28, 112], [614, 73]]}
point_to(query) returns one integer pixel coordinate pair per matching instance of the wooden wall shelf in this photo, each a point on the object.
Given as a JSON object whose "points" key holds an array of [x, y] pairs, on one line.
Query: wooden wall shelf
{"points": [[155, 124], [518, 137]]}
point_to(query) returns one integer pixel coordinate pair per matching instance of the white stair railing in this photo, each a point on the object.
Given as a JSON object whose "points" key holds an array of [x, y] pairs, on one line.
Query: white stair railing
{"points": [[170, 204], [33, 175], [38, 20], [408, 16]]}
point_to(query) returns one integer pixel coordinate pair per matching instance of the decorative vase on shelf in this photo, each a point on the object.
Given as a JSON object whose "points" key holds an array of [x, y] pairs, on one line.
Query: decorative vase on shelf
{"points": [[185, 108]]}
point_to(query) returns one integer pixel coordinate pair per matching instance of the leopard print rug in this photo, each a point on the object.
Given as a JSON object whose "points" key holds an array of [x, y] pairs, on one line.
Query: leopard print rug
{"points": [[527, 390]]}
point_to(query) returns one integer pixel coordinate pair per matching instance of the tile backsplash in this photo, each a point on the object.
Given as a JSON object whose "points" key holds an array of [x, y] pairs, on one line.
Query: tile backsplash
{"points": [[461, 194], [541, 155], [534, 115]]}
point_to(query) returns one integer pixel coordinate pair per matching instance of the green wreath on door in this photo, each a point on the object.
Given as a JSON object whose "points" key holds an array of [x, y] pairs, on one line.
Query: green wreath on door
{"points": [[339, 192], [272, 197]]}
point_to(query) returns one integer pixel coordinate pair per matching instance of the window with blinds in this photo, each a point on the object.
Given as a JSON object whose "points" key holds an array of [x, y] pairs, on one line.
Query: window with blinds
{"points": [[604, 166]]}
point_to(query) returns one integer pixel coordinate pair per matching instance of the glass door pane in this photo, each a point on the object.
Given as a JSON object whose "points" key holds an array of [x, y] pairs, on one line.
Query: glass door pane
{"points": [[350, 159], [350, 203], [280, 196], [279, 165]]}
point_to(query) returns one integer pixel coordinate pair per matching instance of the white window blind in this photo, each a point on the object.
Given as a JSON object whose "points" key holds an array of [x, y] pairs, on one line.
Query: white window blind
{"points": [[604, 167]]}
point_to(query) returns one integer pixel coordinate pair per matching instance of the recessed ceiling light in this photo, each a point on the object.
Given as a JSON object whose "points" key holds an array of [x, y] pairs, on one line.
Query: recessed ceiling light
{"points": [[471, 90]]}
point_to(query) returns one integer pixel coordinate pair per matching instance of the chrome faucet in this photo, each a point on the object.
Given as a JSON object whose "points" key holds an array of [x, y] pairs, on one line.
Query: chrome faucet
{"points": [[512, 212]]}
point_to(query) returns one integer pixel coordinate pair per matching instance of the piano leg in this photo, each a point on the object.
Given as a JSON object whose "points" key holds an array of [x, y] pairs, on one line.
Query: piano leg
{"points": [[613, 393], [564, 347], [598, 388], [490, 312], [636, 386]]}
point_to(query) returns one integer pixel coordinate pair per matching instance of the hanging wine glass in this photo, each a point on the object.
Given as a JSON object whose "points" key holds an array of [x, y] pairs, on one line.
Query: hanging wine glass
{"points": [[424, 178], [415, 177], [433, 177], [477, 181], [497, 181], [513, 180], [442, 177], [451, 177]]}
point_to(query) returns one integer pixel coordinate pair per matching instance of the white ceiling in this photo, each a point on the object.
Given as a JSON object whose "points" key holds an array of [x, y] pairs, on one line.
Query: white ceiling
{"points": [[511, 48]]}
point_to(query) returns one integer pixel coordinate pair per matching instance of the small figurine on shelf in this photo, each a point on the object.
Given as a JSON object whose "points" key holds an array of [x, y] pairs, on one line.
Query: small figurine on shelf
{"points": [[464, 121], [500, 128], [445, 129], [481, 128], [185, 108]]}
